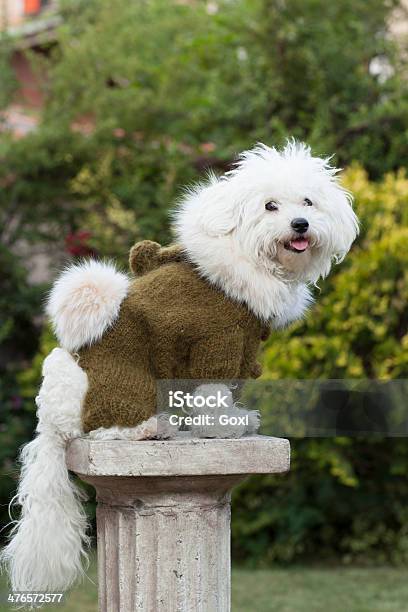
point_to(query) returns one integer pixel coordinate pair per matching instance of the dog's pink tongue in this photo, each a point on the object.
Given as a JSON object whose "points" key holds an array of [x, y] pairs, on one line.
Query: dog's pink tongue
{"points": [[300, 244]]}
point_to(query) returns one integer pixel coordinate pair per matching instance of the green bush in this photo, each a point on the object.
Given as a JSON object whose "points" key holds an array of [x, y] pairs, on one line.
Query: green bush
{"points": [[167, 89], [231, 73], [344, 497], [19, 306]]}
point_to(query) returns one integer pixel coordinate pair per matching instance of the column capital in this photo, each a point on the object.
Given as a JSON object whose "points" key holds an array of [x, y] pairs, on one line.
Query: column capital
{"points": [[182, 456]]}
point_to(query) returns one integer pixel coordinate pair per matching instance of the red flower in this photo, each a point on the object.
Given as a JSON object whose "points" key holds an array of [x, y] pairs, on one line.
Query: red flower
{"points": [[76, 244]]}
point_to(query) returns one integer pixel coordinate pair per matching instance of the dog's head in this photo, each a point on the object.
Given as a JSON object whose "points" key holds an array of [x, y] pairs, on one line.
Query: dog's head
{"points": [[284, 211]]}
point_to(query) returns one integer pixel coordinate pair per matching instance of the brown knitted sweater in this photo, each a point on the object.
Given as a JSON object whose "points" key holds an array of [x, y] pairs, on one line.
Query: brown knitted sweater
{"points": [[173, 324]]}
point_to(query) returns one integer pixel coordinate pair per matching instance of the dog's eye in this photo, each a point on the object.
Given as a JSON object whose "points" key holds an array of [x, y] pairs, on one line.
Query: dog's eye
{"points": [[307, 202], [271, 206]]}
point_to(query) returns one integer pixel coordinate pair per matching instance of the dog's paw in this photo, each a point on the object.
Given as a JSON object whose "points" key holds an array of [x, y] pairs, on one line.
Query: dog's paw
{"points": [[165, 430], [154, 428], [254, 422], [227, 423], [108, 433], [227, 420], [139, 432]]}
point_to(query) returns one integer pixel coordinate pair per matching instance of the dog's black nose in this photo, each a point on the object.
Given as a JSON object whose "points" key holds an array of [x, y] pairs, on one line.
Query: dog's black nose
{"points": [[300, 224]]}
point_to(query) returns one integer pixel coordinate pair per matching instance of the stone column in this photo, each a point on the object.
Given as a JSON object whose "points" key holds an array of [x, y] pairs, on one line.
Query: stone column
{"points": [[164, 516]]}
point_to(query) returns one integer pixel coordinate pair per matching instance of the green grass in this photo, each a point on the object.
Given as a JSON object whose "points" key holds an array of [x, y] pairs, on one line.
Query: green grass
{"points": [[319, 590], [293, 590]]}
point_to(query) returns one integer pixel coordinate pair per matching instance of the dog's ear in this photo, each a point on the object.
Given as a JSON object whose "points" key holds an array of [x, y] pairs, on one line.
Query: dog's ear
{"points": [[217, 210]]}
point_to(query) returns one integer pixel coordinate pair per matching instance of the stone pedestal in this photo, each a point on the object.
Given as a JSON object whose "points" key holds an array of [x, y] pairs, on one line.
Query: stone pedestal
{"points": [[164, 516]]}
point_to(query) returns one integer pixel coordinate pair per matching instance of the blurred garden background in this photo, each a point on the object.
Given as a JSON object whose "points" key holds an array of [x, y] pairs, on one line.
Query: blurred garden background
{"points": [[107, 109]]}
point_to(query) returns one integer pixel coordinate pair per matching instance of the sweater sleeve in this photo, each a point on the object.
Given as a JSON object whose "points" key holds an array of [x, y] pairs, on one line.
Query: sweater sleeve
{"points": [[217, 357]]}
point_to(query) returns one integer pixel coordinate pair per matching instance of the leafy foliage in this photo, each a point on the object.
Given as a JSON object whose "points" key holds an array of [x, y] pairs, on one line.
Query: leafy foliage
{"points": [[141, 99], [359, 326], [19, 304], [344, 497], [232, 73], [7, 78]]}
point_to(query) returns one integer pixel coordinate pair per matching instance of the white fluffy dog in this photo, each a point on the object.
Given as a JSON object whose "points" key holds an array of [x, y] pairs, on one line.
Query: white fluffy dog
{"points": [[263, 234], [269, 228]]}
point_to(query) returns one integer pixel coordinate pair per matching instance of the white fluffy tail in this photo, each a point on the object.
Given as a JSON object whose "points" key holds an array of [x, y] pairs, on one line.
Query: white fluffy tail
{"points": [[48, 543]]}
